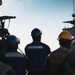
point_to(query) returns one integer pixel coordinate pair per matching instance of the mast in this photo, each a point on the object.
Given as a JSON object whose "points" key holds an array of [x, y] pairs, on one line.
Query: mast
{"points": [[0, 2], [4, 33], [72, 29]]}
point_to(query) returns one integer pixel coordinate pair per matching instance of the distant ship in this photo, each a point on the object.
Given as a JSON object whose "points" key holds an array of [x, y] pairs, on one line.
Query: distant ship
{"points": [[71, 30]]}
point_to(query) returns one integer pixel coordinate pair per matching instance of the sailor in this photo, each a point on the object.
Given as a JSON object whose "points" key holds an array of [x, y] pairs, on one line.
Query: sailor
{"points": [[54, 62], [4, 68], [37, 53], [17, 60]]}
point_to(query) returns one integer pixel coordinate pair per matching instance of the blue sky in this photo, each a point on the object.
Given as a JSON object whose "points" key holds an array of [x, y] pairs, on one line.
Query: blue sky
{"points": [[47, 15]]}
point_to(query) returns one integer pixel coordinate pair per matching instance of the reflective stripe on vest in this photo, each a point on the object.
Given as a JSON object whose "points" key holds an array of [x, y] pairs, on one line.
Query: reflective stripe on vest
{"points": [[13, 54], [35, 47]]}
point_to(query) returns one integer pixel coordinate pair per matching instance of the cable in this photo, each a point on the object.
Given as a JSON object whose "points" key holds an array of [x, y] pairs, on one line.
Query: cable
{"points": [[8, 24], [21, 52]]}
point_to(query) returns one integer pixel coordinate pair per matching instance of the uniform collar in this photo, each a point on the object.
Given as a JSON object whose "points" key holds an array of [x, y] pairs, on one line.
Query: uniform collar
{"points": [[63, 48]]}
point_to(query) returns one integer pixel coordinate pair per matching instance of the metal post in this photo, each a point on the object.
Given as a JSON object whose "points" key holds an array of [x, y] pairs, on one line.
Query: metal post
{"points": [[0, 2]]}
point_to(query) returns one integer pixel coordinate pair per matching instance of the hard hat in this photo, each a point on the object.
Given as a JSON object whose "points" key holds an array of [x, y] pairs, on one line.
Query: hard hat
{"points": [[11, 39], [65, 35], [36, 32]]}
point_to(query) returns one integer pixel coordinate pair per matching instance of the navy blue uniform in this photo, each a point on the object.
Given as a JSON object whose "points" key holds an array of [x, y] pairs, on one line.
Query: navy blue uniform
{"points": [[37, 53], [18, 61]]}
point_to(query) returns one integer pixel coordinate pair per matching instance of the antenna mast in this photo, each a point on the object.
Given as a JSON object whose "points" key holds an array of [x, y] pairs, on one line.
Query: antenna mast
{"points": [[0, 2], [72, 29], [73, 7], [4, 31], [73, 15]]}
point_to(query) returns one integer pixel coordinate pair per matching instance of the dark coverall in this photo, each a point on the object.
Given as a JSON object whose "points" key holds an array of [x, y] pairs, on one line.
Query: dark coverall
{"points": [[70, 64], [6, 69], [54, 62], [37, 53], [17, 61]]}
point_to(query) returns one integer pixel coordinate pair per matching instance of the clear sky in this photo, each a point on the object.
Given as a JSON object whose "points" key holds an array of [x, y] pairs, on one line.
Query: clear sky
{"points": [[47, 15]]}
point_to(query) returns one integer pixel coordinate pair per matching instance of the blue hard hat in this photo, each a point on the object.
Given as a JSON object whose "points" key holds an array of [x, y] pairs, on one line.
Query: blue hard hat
{"points": [[11, 39], [36, 32]]}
